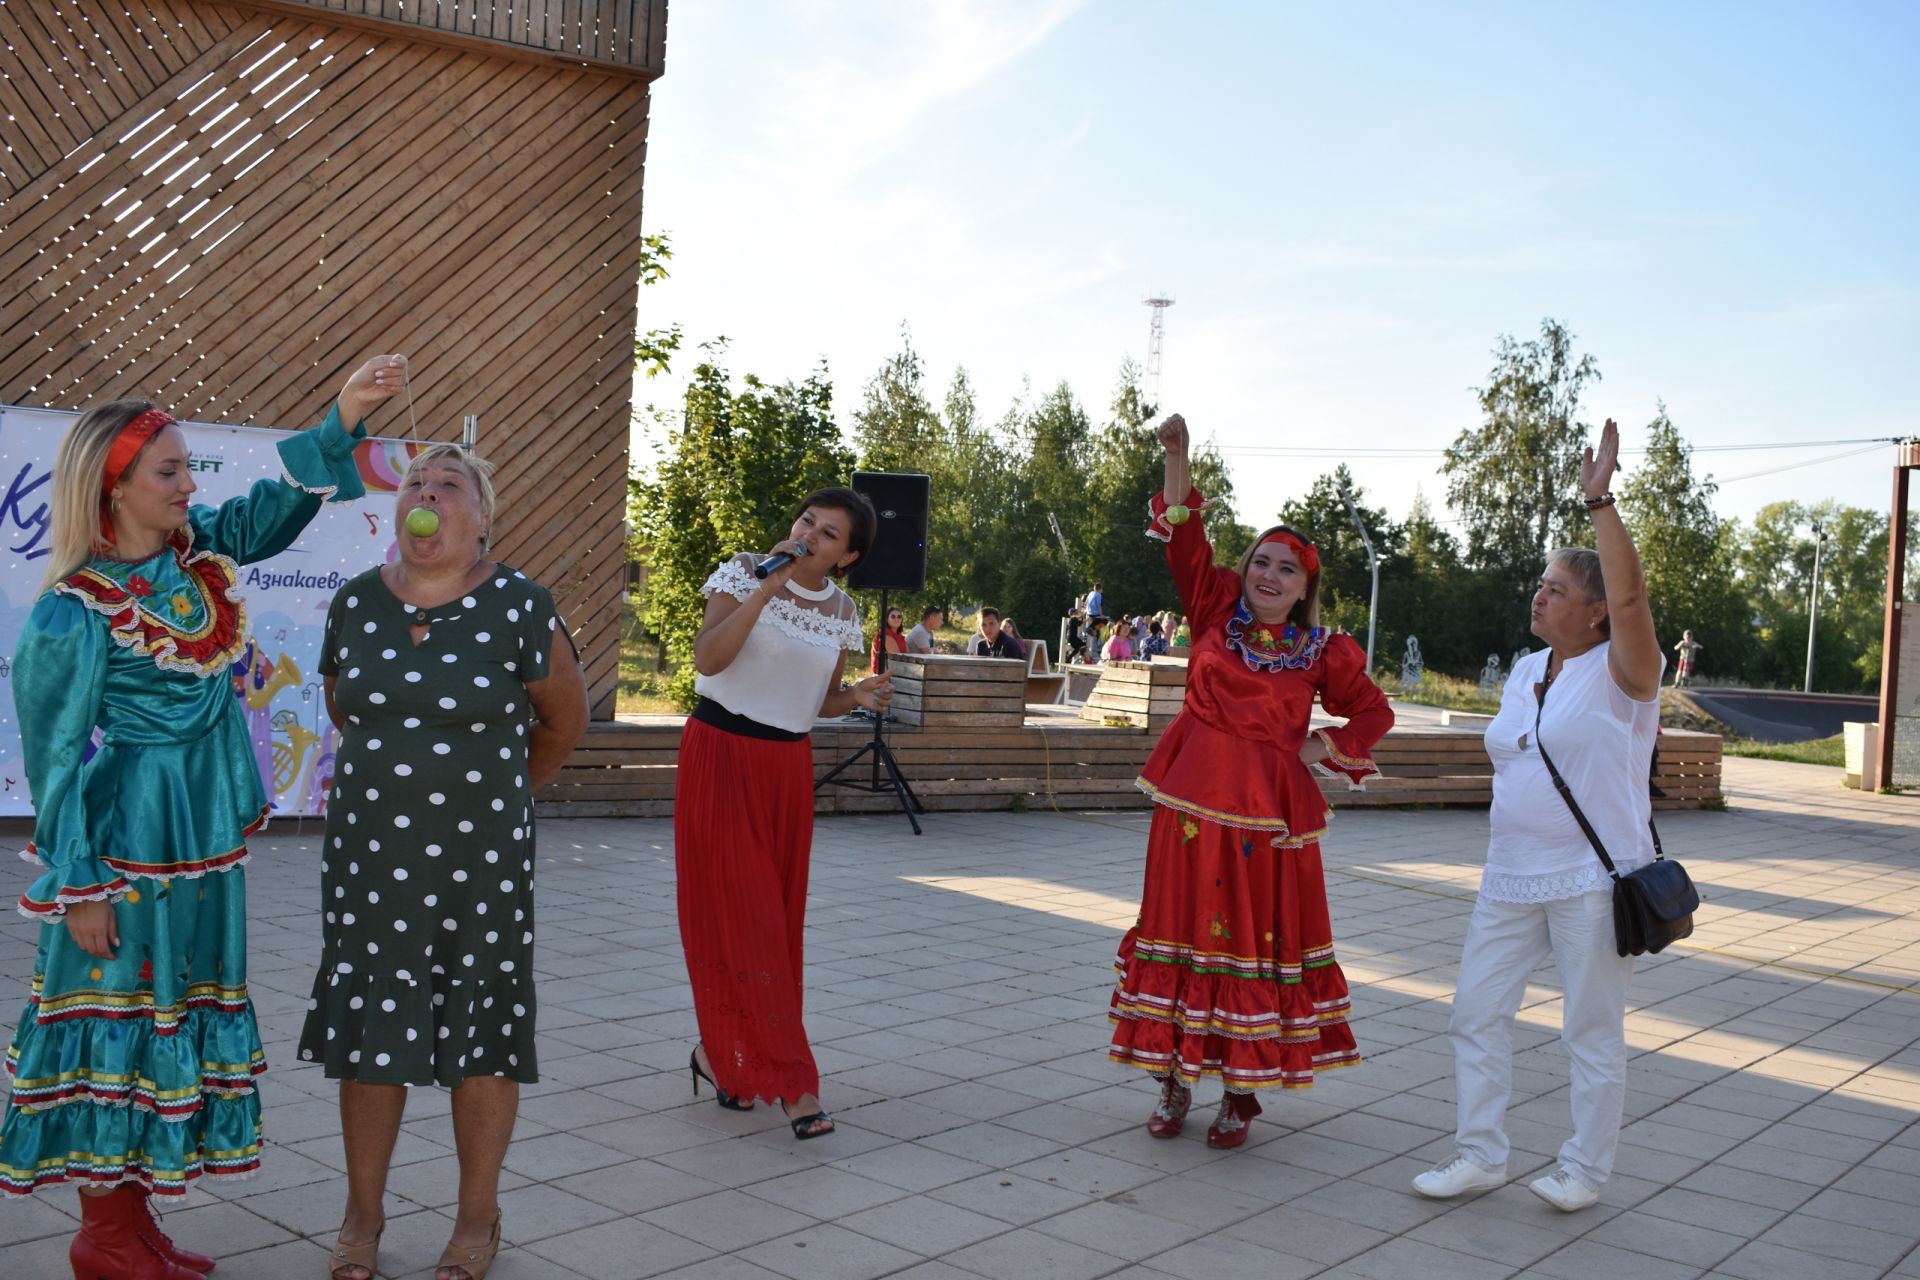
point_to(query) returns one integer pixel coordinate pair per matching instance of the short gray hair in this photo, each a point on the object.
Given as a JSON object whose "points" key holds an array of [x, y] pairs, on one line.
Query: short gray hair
{"points": [[1584, 564]]}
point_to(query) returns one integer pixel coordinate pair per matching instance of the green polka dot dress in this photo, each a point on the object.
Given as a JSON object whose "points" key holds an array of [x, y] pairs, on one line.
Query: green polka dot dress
{"points": [[426, 971]]}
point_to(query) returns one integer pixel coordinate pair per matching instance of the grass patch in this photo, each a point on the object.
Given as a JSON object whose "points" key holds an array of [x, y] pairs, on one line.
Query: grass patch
{"points": [[642, 685], [1828, 751], [1449, 693]]}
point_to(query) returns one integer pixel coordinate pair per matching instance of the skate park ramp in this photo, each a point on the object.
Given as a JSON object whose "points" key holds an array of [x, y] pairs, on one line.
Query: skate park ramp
{"points": [[1772, 715]]}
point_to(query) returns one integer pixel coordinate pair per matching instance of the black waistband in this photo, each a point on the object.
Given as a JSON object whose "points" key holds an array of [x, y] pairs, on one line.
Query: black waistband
{"points": [[707, 711]]}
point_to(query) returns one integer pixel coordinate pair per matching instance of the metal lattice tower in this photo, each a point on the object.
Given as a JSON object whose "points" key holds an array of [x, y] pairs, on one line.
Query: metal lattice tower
{"points": [[1156, 342]]}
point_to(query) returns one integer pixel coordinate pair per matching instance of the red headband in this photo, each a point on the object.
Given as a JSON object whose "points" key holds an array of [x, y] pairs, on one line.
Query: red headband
{"points": [[126, 447], [1309, 553]]}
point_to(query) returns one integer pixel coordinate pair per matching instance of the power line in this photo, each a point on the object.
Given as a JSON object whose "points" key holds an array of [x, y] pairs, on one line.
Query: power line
{"points": [[1319, 451], [1795, 466]]}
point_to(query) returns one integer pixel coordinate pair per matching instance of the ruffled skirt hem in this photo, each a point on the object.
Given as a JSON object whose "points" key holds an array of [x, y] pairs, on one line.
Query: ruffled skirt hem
{"points": [[377, 1029]]}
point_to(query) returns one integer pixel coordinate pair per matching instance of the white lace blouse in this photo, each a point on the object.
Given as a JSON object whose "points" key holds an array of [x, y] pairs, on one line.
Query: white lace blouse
{"points": [[780, 675]]}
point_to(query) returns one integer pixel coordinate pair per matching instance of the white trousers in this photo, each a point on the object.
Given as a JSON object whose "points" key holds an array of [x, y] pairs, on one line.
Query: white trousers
{"points": [[1506, 941]]}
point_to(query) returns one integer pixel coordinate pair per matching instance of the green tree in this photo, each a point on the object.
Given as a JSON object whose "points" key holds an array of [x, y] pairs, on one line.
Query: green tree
{"points": [[1689, 569], [1515, 478], [895, 428], [654, 350], [1427, 592], [973, 486], [1128, 469], [1346, 582], [728, 477], [1775, 556]]}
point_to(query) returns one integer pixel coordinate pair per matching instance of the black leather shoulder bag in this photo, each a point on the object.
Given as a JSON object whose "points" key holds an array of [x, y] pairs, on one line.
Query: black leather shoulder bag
{"points": [[1652, 906]]}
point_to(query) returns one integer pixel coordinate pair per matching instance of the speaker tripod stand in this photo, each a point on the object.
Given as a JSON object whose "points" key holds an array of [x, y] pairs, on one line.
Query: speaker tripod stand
{"points": [[877, 755]]}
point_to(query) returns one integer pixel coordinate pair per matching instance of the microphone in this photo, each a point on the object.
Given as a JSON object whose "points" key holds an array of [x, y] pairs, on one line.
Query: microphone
{"points": [[776, 562]]}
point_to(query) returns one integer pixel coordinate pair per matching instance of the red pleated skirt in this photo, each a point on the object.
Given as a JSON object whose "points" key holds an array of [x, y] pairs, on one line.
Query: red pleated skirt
{"points": [[742, 837], [1230, 970]]}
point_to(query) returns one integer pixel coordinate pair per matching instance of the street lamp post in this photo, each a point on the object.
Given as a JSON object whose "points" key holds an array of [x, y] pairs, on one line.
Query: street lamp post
{"points": [[1373, 567], [1813, 602]]}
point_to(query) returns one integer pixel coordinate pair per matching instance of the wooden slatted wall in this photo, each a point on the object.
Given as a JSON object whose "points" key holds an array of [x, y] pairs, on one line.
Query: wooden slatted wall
{"points": [[226, 207], [622, 31]]}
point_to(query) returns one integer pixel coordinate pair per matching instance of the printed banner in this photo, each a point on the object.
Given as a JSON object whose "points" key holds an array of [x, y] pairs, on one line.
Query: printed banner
{"points": [[287, 596]]}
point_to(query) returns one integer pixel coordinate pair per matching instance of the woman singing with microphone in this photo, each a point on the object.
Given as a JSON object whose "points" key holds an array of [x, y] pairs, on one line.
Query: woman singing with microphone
{"points": [[770, 654]]}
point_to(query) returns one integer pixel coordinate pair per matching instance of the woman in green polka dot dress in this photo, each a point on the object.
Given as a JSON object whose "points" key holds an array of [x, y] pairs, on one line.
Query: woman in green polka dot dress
{"points": [[457, 694]]}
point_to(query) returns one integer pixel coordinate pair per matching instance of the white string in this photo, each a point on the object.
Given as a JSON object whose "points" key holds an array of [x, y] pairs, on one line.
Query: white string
{"points": [[406, 381]]}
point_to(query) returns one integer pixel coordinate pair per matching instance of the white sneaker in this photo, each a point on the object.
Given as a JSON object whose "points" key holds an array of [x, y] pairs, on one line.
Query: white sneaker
{"points": [[1565, 1190], [1457, 1177]]}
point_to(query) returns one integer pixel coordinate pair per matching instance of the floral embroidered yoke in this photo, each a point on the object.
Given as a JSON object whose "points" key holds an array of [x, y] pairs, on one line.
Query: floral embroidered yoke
{"points": [[141, 1067], [1230, 970]]}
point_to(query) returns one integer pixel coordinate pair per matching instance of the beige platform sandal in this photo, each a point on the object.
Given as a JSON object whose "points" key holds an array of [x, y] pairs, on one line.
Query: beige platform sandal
{"points": [[346, 1256], [475, 1262]]}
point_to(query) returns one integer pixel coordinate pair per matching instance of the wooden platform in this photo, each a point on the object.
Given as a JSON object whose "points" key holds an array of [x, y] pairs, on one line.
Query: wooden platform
{"points": [[1053, 757]]}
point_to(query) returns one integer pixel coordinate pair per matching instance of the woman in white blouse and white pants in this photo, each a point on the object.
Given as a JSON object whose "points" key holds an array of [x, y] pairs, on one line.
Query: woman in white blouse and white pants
{"points": [[770, 653], [1545, 893]]}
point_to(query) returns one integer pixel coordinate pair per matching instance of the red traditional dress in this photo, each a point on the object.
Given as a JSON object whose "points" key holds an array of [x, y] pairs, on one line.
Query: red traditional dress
{"points": [[1230, 970]]}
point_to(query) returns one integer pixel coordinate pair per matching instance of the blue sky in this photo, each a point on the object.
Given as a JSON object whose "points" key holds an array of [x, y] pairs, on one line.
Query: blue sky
{"points": [[1349, 202]]}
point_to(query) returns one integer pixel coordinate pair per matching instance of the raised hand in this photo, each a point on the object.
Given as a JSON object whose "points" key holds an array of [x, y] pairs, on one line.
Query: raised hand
{"points": [[370, 384], [1172, 433], [1598, 465]]}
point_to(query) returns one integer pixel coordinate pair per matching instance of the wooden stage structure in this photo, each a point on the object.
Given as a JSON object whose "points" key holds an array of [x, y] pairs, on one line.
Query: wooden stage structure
{"points": [[225, 205], [973, 745]]}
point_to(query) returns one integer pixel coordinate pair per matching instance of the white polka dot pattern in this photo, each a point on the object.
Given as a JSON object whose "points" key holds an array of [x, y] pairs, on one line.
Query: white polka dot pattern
{"points": [[451, 735]]}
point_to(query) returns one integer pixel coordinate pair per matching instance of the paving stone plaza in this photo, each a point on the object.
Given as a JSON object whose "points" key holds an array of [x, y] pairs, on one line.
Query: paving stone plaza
{"points": [[957, 988]]}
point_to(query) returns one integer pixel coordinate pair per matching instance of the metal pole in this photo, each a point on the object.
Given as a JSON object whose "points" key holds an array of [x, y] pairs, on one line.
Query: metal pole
{"points": [[1373, 567], [1906, 456], [1813, 603]]}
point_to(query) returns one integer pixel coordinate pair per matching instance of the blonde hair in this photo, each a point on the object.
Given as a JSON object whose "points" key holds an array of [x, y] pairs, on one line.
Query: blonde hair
{"points": [[478, 470], [75, 496]]}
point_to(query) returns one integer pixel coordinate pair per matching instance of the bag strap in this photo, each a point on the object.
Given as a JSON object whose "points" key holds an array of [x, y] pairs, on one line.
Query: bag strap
{"points": [[1560, 783], [1566, 792]]}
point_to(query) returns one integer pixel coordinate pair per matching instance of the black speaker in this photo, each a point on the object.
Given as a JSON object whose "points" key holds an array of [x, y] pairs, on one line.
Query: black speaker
{"points": [[897, 560]]}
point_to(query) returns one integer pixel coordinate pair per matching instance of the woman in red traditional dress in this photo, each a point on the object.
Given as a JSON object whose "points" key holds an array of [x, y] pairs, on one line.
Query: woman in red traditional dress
{"points": [[1230, 970], [770, 653]]}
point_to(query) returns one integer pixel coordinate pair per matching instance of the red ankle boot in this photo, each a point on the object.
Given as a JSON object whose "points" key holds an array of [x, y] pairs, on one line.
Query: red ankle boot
{"points": [[1171, 1114], [1230, 1127], [109, 1246], [155, 1237]]}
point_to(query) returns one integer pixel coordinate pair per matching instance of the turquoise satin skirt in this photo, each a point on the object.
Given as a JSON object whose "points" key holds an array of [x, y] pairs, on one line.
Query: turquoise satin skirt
{"points": [[140, 1068]]}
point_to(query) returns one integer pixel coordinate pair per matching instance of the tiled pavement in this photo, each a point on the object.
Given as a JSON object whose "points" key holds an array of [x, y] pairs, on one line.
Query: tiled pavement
{"points": [[958, 984]]}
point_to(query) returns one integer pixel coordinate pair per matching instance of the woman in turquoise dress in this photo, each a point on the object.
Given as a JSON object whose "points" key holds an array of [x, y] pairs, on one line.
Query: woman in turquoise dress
{"points": [[133, 1063]]}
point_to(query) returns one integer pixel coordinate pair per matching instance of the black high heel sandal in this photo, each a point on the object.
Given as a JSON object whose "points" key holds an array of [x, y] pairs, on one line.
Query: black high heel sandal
{"points": [[725, 1099], [803, 1126]]}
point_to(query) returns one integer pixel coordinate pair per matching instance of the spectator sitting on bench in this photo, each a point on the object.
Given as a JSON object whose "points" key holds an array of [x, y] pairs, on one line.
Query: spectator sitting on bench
{"points": [[991, 641], [920, 639], [1156, 640], [1120, 643]]}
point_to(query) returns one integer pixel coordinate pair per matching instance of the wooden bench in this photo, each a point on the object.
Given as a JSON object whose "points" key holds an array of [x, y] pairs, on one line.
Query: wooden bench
{"points": [[628, 768]]}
